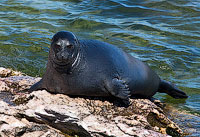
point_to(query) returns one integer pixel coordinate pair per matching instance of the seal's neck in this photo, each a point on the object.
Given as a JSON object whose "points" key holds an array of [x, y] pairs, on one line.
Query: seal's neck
{"points": [[77, 60]]}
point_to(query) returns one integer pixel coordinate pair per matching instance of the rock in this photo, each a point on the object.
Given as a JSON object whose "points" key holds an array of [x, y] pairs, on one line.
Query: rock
{"points": [[86, 117], [12, 124], [43, 114], [4, 72], [17, 83], [188, 122]]}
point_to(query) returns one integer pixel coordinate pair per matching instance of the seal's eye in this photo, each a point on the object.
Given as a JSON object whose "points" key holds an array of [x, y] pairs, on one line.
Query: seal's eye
{"points": [[57, 46], [70, 46]]}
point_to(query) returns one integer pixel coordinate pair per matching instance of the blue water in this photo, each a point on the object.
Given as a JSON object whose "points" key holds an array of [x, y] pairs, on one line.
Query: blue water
{"points": [[164, 34]]}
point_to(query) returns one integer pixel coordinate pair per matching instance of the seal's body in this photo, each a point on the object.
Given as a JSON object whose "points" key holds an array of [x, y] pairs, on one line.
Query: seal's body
{"points": [[94, 68]]}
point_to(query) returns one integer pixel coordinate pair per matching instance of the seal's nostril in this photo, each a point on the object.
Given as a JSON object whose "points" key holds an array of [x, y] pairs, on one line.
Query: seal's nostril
{"points": [[62, 55]]}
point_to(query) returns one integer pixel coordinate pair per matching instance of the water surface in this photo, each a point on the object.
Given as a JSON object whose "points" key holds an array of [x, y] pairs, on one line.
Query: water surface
{"points": [[164, 34]]}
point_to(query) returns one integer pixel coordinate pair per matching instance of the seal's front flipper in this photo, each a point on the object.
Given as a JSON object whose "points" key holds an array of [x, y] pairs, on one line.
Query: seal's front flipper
{"points": [[170, 89], [118, 88], [36, 86]]}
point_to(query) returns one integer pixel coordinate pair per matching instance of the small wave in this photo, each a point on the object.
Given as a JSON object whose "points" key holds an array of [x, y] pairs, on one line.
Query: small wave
{"points": [[163, 33]]}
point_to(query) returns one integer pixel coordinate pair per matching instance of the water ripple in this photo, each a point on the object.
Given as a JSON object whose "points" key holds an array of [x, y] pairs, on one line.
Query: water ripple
{"points": [[165, 34]]}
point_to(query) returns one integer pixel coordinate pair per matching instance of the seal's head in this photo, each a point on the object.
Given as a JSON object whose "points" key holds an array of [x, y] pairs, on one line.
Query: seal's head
{"points": [[65, 47]]}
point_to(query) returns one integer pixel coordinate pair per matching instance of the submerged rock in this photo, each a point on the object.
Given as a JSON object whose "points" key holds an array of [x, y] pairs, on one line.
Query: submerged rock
{"points": [[43, 114]]}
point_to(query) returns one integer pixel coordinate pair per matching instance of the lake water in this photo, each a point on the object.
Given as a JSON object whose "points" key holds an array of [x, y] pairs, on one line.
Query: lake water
{"points": [[164, 34]]}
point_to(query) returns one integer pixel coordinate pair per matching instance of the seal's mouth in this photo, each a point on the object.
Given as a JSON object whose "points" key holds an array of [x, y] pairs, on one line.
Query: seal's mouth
{"points": [[61, 62], [60, 59], [68, 61]]}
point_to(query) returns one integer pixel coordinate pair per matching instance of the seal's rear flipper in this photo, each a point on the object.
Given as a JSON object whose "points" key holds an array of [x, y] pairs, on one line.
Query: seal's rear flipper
{"points": [[170, 89], [35, 86]]}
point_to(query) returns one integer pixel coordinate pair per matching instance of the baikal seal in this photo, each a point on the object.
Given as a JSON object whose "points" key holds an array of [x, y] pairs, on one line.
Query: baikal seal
{"points": [[95, 68]]}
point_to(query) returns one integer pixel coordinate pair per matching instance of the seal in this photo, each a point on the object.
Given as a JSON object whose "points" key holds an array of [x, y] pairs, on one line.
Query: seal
{"points": [[95, 68]]}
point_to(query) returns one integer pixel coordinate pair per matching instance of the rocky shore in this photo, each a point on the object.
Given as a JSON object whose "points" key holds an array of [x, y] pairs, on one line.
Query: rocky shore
{"points": [[43, 114]]}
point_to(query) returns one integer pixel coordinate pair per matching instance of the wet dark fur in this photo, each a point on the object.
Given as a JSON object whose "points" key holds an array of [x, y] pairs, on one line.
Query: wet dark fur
{"points": [[102, 70]]}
